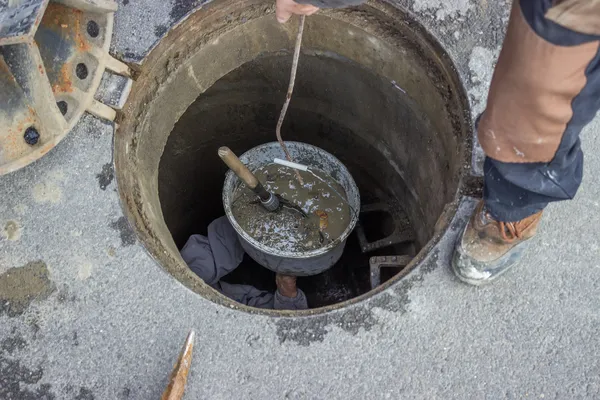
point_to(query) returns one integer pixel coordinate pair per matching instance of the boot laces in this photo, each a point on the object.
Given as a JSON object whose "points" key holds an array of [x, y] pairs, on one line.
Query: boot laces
{"points": [[510, 231]]}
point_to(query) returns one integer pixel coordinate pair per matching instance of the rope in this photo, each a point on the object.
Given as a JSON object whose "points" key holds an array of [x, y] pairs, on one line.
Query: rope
{"points": [[288, 97]]}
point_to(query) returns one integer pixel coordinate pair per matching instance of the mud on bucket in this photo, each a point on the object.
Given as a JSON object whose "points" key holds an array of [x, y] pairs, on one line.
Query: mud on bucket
{"points": [[294, 262]]}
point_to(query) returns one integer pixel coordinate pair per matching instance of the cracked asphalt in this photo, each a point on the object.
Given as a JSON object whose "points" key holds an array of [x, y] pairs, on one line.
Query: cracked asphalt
{"points": [[99, 319]]}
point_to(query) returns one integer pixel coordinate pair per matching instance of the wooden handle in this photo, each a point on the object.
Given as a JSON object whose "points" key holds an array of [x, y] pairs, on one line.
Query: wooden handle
{"points": [[234, 163], [178, 377]]}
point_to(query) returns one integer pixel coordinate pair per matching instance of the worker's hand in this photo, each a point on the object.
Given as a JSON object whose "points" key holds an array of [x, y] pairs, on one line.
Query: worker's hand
{"points": [[286, 285], [284, 9]]}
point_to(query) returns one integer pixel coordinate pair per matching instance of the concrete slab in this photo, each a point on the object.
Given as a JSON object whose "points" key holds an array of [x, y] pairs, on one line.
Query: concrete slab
{"points": [[108, 322]]}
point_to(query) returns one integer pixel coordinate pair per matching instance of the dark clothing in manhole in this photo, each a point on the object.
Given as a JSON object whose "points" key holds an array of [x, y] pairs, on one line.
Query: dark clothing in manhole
{"points": [[214, 256]]}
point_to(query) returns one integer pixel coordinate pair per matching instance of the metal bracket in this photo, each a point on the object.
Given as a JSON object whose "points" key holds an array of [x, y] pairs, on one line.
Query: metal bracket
{"points": [[52, 59], [376, 263], [402, 231]]}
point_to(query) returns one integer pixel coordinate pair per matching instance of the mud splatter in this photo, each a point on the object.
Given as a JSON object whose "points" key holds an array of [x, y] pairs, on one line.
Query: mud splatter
{"points": [[125, 393], [12, 230], [106, 176], [84, 394], [305, 331], [10, 344], [127, 235], [84, 270], [15, 379], [47, 192], [443, 9], [20, 209], [160, 30], [111, 251], [19, 287], [181, 8]]}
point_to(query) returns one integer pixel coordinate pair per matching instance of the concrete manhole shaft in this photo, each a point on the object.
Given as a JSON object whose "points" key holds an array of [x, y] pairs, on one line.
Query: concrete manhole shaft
{"points": [[373, 88]]}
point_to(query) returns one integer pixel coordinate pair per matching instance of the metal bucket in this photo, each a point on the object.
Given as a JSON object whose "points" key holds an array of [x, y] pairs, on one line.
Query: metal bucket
{"points": [[285, 262]]}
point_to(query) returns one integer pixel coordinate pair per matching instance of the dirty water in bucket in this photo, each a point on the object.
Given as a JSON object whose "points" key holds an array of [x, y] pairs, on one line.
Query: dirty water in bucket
{"points": [[322, 215], [240, 111]]}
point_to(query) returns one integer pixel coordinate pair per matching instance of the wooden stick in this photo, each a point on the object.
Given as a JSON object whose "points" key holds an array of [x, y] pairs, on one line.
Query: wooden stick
{"points": [[242, 172], [178, 377], [288, 97], [234, 164]]}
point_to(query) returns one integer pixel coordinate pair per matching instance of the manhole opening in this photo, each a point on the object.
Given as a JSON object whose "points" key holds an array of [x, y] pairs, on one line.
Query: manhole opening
{"points": [[388, 104], [240, 111]]}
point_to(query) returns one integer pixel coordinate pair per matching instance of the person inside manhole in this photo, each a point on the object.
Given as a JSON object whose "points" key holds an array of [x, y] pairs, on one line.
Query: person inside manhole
{"points": [[213, 256], [545, 89]]}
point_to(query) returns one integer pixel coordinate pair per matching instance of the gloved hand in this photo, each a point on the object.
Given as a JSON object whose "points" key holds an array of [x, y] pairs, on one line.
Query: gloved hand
{"points": [[284, 9], [286, 285]]}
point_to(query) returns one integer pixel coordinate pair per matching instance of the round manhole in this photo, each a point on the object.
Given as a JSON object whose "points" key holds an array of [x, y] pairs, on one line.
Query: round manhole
{"points": [[373, 88]]}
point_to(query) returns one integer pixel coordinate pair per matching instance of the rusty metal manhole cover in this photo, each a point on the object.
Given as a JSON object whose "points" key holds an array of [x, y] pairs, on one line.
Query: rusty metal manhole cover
{"points": [[52, 59]]}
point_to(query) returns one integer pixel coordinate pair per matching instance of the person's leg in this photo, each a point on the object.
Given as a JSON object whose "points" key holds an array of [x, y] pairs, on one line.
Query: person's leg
{"points": [[545, 89], [216, 255]]}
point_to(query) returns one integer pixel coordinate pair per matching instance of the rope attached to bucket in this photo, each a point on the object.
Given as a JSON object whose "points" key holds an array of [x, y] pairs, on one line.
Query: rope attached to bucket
{"points": [[288, 97]]}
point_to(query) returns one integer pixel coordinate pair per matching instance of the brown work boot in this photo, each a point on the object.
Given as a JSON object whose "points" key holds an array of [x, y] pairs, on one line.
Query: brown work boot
{"points": [[488, 248]]}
